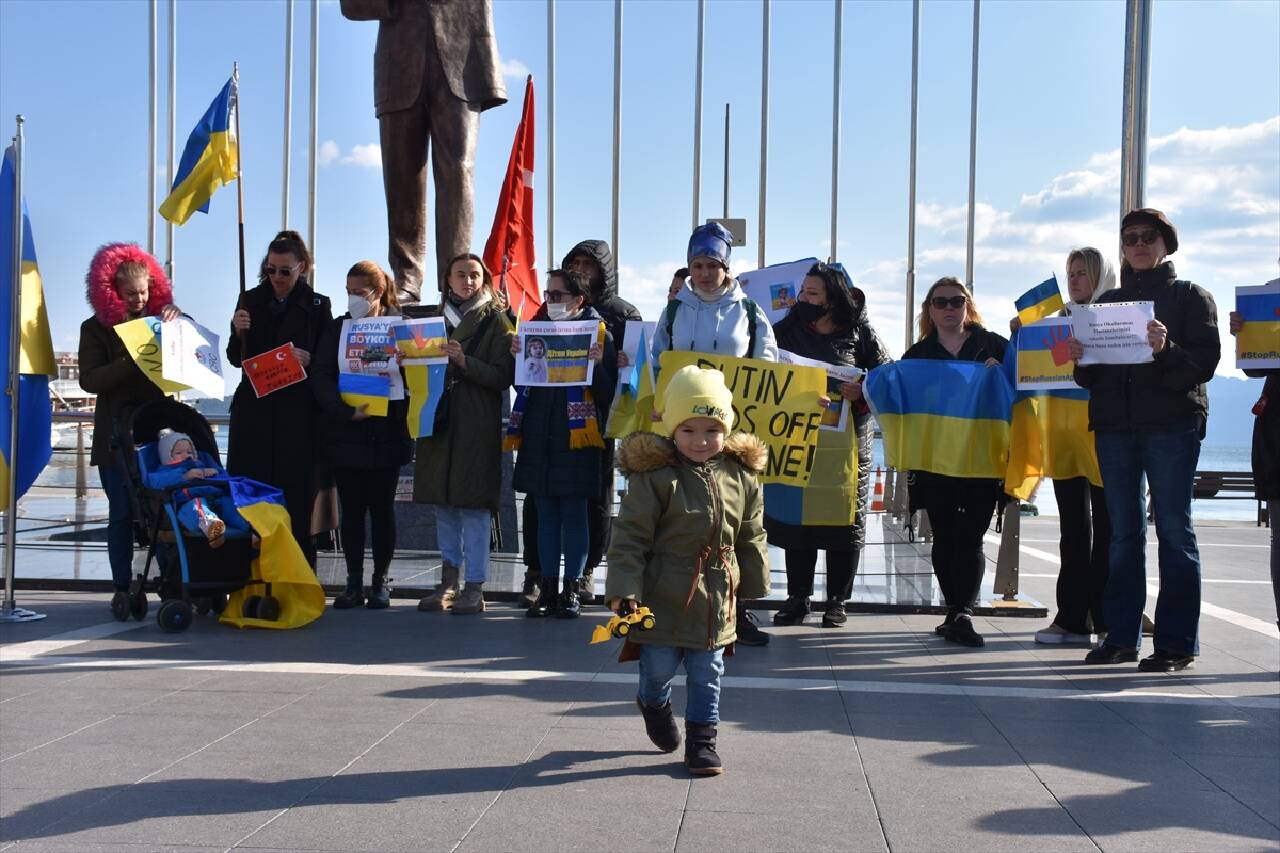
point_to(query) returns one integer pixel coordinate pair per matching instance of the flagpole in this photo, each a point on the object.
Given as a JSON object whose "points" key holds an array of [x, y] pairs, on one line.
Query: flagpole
{"points": [[173, 125], [151, 138], [235, 104], [288, 110], [314, 135], [9, 611]]}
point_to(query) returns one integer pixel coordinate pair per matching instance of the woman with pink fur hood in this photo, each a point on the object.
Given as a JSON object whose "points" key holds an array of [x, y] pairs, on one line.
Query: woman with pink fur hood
{"points": [[124, 283]]}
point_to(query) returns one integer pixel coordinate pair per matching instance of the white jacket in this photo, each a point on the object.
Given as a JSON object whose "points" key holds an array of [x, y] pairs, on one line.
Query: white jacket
{"points": [[721, 327]]}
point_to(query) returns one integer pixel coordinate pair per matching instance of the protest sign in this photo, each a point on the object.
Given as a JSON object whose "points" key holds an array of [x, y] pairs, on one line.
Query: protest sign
{"points": [[776, 402], [421, 340], [370, 390], [191, 357], [1113, 332], [638, 333], [141, 339], [368, 347], [554, 354], [1044, 363], [272, 370], [426, 389], [775, 288], [836, 416], [1258, 343]]}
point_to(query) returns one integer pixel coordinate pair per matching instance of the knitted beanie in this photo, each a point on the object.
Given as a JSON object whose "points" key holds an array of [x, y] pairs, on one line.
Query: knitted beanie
{"points": [[164, 447], [697, 392], [713, 241]]}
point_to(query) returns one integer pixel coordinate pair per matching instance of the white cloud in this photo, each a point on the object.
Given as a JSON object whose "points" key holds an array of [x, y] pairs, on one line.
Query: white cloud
{"points": [[367, 156], [513, 69], [329, 152]]}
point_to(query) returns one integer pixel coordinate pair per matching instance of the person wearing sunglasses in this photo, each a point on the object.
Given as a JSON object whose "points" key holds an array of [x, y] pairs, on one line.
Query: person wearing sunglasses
{"points": [[273, 439], [1148, 421], [959, 508]]}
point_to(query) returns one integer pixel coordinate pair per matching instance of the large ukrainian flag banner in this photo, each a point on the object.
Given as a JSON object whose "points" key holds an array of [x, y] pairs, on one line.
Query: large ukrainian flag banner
{"points": [[35, 353], [1049, 435], [210, 159], [946, 417], [1039, 302]]}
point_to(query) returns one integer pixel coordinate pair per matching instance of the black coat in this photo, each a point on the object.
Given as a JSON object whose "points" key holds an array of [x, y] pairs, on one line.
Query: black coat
{"points": [[369, 444], [545, 465], [613, 309], [1170, 390], [1266, 438], [120, 385]]}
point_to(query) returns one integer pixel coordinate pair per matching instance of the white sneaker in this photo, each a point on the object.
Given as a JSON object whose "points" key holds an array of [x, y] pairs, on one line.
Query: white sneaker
{"points": [[1056, 635]]}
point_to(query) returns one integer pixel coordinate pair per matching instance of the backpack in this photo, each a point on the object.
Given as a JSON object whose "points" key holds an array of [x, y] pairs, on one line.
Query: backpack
{"points": [[669, 317]]}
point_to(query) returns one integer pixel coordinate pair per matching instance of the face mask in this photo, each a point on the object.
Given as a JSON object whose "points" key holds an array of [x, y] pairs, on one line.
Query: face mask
{"points": [[358, 306], [807, 312], [559, 311]]}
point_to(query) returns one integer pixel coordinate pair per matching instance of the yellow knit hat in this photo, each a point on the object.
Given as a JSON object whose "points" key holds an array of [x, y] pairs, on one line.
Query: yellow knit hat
{"points": [[696, 392]]}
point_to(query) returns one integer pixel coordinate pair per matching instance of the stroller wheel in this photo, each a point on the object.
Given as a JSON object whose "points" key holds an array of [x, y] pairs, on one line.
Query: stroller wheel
{"points": [[218, 603], [175, 615], [138, 606], [269, 608], [120, 606], [249, 610]]}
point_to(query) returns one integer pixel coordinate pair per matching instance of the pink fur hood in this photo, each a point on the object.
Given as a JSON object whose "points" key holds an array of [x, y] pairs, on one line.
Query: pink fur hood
{"points": [[100, 289]]}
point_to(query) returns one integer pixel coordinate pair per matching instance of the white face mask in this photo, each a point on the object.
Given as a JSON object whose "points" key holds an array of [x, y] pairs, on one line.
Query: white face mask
{"points": [[358, 306], [559, 311]]}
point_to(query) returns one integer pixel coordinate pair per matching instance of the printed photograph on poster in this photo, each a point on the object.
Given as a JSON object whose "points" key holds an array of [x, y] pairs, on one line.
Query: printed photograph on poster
{"points": [[774, 288], [1258, 343], [192, 357], [782, 296], [274, 369], [1114, 332], [368, 347], [1044, 362], [556, 353], [638, 335], [836, 416], [421, 340]]}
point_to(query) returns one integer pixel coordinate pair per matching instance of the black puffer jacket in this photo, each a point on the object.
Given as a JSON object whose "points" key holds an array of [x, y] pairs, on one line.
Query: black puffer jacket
{"points": [[613, 309], [1170, 390]]}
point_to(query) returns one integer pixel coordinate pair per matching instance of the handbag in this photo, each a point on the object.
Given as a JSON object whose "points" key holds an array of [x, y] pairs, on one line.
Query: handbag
{"points": [[441, 422]]}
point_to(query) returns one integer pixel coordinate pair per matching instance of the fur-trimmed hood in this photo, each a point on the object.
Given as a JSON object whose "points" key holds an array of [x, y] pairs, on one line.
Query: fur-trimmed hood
{"points": [[100, 288], [647, 451]]}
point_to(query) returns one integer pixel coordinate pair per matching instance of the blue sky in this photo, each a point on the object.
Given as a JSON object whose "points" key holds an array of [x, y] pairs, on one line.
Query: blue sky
{"points": [[1048, 137]]}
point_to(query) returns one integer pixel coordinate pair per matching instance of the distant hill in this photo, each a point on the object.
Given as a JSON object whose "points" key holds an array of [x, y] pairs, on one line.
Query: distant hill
{"points": [[1230, 402]]}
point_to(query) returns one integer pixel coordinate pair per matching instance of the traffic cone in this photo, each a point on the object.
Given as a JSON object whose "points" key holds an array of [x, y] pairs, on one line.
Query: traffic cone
{"points": [[877, 494]]}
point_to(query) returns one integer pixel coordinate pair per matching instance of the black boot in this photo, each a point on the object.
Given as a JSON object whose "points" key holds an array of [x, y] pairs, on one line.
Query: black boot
{"points": [[546, 603], [532, 586], [352, 596], [834, 615], [569, 605], [660, 726], [700, 749], [379, 595], [749, 633], [792, 611]]}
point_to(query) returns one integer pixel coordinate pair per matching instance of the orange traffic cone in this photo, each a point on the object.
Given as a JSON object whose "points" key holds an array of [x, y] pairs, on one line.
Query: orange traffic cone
{"points": [[877, 494]]}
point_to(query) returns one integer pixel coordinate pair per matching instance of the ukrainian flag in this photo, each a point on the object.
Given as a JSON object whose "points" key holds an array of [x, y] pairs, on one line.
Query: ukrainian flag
{"points": [[210, 159], [35, 353], [633, 405], [1039, 302], [1049, 435], [1258, 343], [831, 496], [425, 386], [946, 417], [360, 389]]}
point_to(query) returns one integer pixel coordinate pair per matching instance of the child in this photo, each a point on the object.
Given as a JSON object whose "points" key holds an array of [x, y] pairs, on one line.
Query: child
{"points": [[688, 542], [535, 361], [206, 509]]}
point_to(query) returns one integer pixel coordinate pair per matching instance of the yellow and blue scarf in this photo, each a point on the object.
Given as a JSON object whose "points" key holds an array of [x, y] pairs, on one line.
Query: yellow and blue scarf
{"points": [[580, 409]]}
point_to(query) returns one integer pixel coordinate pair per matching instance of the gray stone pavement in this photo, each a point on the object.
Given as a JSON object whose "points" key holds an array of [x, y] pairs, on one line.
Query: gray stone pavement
{"points": [[394, 730]]}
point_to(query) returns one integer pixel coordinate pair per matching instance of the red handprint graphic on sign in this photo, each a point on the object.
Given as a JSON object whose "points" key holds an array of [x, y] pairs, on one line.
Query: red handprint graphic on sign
{"points": [[1055, 340]]}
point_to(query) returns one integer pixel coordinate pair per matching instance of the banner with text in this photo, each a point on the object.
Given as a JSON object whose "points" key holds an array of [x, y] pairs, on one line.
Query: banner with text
{"points": [[191, 357], [141, 339], [1258, 344]]}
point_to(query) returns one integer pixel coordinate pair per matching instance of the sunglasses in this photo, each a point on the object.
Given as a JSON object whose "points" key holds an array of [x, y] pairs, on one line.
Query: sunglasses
{"points": [[559, 296], [285, 271], [1147, 237], [941, 302]]}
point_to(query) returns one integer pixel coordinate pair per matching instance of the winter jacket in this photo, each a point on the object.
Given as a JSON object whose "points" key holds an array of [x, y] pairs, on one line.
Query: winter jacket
{"points": [[689, 540], [721, 327], [175, 474], [980, 346], [613, 309], [368, 444], [1170, 390], [859, 346], [462, 467], [545, 464], [1266, 438]]}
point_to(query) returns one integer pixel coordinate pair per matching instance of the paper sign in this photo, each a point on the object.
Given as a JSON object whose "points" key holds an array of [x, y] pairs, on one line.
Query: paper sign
{"points": [[369, 390], [141, 339], [422, 340], [192, 358], [1044, 364], [272, 370], [368, 347], [555, 354], [1258, 343], [1114, 332], [775, 288], [836, 417]]}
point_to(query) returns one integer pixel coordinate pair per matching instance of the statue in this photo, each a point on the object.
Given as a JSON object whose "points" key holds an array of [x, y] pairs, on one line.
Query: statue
{"points": [[435, 69]]}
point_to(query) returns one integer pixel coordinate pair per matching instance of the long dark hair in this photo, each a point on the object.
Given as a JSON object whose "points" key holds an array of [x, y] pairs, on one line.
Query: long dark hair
{"points": [[287, 243], [840, 302]]}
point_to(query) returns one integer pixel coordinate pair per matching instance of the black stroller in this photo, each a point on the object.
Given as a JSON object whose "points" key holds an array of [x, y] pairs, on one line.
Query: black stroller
{"points": [[191, 575]]}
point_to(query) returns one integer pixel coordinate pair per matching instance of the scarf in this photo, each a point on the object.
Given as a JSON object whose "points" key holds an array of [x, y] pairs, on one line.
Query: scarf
{"points": [[455, 310], [580, 410]]}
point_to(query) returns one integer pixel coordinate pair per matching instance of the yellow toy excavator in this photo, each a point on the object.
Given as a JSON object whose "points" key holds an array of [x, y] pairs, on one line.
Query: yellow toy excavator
{"points": [[619, 626]]}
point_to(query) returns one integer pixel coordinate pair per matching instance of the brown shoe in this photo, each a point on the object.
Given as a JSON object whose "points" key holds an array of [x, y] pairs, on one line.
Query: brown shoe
{"points": [[446, 591], [470, 600]]}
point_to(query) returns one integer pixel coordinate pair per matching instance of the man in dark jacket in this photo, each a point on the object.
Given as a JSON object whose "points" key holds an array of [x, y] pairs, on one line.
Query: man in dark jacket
{"points": [[1148, 420]]}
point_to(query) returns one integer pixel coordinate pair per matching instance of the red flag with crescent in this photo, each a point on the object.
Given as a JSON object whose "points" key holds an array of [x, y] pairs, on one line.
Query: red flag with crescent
{"points": [[509, 253]]}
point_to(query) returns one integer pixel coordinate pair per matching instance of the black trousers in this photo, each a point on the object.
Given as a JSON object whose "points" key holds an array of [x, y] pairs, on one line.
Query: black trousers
{"points": [[372, 492], [599, 521], [841, 567], [960, 511], [1085, 549]]}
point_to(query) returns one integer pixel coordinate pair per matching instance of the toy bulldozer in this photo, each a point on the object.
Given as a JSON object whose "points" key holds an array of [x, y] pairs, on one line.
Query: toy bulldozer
{"points": [[618, 627]]}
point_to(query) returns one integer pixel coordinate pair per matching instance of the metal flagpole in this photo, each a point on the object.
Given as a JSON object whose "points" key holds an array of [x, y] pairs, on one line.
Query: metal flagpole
{"points": [[235, 104], [315, 130], [726, 161], [151, 135], [764, 129], [288, 109], [173, 126], [551, 134], [973, 147], [911, 179], [835, 124], [1133, 134], [617, 120], [9, 611], [697, 112]]}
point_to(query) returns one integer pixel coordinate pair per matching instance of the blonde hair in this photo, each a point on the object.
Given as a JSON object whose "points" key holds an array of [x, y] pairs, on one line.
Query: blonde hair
{"points": [[371, 272], [1092, 263], [130, 270], [924, 323]]}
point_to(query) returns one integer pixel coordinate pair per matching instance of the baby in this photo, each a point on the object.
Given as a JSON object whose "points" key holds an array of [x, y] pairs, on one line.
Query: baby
{"points": [[206, 509], [535, 367]]}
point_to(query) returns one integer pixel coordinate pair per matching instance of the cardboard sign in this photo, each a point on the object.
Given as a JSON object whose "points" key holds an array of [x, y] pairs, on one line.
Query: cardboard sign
{"points": [[775, 288], [192, 358], [1258, 344], [779, 403], [141, 339], [554, 354], [272, 370], [1044, 363]]}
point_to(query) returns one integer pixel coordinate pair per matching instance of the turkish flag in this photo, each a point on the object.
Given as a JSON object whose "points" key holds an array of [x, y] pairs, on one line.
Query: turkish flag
{"points": [[509, 253]]}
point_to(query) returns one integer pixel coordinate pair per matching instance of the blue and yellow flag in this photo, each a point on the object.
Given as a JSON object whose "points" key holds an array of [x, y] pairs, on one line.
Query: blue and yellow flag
{"points": [[365, 389], [425, 385], [210, 159], [947, 417], [1258, 344], [35, 360], [633, 404], [280, 561], [1039, 302], [831, 496], [1049, 436]]}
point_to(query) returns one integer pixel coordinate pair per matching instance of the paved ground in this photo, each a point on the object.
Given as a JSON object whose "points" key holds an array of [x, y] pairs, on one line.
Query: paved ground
{"points": [[396, 730]]}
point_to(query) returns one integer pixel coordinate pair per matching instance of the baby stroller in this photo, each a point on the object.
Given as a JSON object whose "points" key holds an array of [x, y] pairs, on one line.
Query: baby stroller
{"points": [[191, 576]]}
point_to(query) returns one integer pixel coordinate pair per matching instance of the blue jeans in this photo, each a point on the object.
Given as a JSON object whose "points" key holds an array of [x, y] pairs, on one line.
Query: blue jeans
{"points": [[1168, 461], [562, 529], [119, 525], [702, 668], [463, 535]]}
